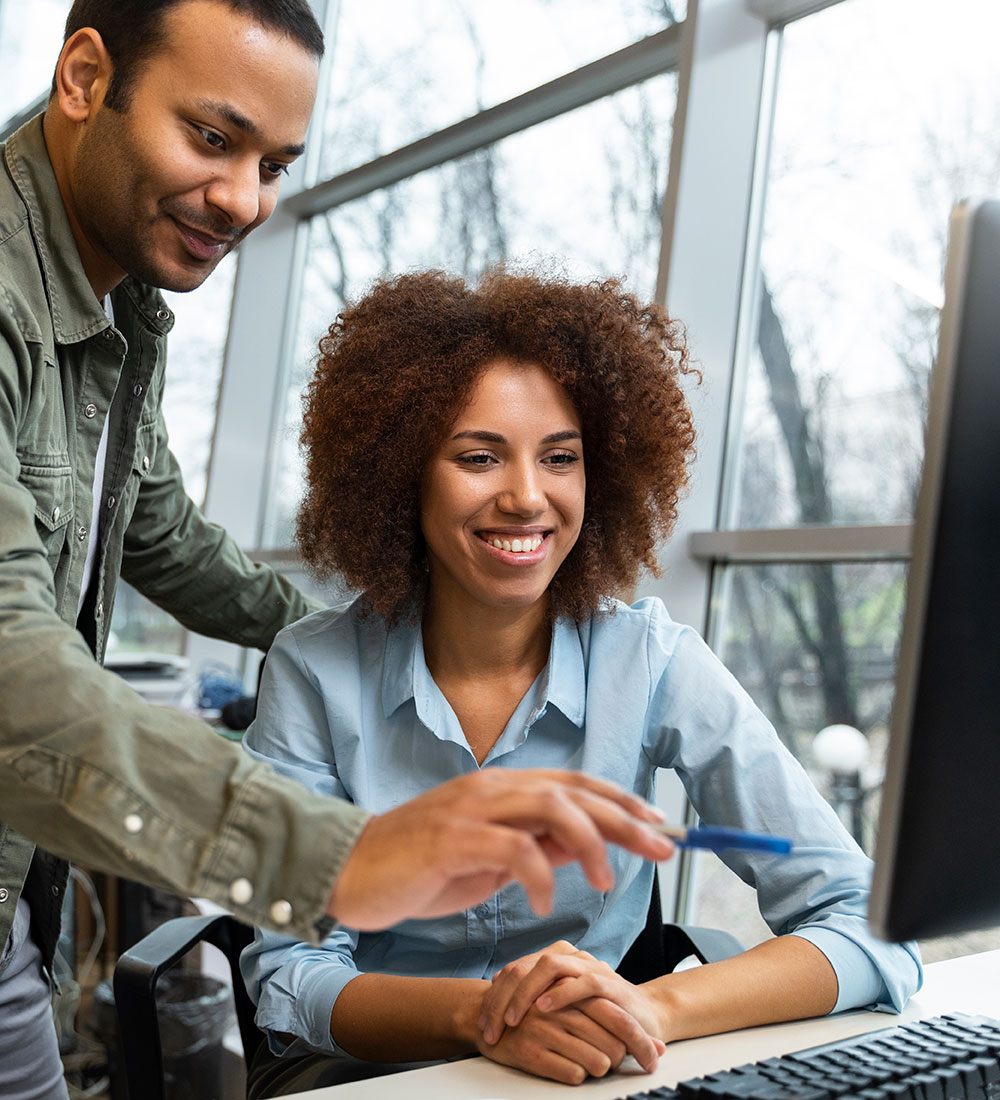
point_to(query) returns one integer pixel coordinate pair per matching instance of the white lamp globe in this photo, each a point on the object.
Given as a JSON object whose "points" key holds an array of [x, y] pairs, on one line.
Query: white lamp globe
{"points": [[841, 748]]}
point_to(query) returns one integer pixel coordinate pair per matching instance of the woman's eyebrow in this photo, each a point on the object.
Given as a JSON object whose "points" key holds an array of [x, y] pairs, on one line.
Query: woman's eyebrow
{"points": [[496, 437]]}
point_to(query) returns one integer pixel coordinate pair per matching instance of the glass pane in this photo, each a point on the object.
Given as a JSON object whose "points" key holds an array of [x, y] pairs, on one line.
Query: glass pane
{"points": [[30, 37], [814, 645], [402, 71], [195, 352], [554, 191], [887, 114]]}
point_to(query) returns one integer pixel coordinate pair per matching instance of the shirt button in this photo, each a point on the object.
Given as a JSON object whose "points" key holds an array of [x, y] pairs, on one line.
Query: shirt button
{"points": [[241, 891], [133, 823], [90, 412], [55, 513], [3, 895], [81, 533], [281, 912], [137, 389]]}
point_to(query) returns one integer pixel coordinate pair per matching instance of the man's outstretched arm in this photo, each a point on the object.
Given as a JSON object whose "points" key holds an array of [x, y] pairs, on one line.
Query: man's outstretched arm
{"points": [[460, 842]]}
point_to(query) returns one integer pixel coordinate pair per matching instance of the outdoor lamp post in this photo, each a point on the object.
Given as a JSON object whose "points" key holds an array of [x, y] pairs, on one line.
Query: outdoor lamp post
{"points": [[843, 752]]}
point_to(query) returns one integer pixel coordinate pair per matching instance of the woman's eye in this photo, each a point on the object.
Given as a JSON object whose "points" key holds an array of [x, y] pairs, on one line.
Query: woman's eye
{"points": [[562, 458], [476, 459]]}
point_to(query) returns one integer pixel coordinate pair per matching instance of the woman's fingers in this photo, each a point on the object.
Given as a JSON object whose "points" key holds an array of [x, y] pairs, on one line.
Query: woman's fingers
{"points": [[516, 988], [568, 1046], [615, 1021]]}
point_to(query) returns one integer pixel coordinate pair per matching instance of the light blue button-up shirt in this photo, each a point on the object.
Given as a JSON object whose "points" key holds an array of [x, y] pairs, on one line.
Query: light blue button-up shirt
{"points": [[351, 710]]}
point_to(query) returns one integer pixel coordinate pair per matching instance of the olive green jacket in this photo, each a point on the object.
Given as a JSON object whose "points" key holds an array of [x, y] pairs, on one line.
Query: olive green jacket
{"points": [[88, 770]]}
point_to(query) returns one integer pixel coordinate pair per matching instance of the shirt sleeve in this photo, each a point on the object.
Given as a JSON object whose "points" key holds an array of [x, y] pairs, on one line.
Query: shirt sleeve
{"points": [[737, 772], [94, 774], [294, 984]]}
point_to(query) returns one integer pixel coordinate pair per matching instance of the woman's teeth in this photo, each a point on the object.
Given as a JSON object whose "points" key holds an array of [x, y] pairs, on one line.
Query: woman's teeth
{"points": [[517, 546]]}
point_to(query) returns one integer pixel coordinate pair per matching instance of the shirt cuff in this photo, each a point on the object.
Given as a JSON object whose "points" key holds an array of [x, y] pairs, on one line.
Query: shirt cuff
{"points": [[306, 1013], [859, 982]]}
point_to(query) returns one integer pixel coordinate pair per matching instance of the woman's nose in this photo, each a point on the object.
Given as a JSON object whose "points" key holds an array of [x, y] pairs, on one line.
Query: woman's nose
{"points": [[522, 493]]}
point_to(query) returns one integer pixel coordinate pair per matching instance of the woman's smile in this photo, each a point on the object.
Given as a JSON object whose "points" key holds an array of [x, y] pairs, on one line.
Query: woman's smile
{"points": [[525, 547]]}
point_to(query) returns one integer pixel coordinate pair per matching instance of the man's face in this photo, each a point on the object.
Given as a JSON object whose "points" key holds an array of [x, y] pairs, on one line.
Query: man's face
{"points": [[166, 189]]}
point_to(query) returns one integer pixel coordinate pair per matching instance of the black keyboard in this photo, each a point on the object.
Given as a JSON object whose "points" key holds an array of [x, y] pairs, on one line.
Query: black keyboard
{"points": [[952, 1057]]}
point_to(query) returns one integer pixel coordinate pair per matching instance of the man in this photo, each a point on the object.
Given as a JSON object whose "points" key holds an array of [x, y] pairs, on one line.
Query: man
{"points": [[170, 125]]}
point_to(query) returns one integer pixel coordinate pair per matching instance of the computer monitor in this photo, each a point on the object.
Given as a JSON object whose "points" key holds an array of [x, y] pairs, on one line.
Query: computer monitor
{"points": [[937, 861]]}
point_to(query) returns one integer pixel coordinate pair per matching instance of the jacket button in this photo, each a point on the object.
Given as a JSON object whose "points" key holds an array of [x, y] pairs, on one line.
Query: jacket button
{"points": [[145, 462], [241, 891], [81, 534], [3, 895], [99, 611], [55, 891], [90, 412], [55, 513], [137, 390], [111, 502], [133, 823], [163, 314], [281, 912]]}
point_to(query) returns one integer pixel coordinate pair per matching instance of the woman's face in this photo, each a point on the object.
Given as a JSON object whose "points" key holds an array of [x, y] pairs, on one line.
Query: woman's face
{"points": [[502, 498]]}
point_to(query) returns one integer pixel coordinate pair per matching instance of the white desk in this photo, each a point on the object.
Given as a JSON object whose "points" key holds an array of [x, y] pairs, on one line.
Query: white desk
{"points": [[968, 985]]}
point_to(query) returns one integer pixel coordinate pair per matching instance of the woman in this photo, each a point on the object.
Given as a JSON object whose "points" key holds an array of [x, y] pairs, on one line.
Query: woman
{"points": [[488, 467]]}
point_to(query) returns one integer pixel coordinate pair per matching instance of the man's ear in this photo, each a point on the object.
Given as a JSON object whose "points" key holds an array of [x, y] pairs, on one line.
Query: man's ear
{"points": [[82, 74]]}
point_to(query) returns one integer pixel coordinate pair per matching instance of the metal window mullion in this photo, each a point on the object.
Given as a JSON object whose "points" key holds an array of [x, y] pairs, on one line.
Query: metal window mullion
{"points": [[649, 57], [790, 545], [780, 12]]}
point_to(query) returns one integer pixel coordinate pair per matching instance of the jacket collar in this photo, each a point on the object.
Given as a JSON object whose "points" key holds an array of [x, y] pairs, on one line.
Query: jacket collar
{"points": [[76, 312]]}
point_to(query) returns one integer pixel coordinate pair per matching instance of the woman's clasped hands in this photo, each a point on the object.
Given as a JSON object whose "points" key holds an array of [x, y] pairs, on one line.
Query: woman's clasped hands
{"points": [[563, 1014]]}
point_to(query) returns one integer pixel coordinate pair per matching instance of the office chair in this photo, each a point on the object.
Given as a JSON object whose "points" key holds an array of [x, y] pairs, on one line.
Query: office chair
{"points": [[657, 950], [136, 974], [660, 947]]}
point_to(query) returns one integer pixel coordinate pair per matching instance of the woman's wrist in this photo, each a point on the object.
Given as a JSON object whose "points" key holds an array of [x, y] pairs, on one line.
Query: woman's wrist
{"points": [[466, 1012], [663, 999]]}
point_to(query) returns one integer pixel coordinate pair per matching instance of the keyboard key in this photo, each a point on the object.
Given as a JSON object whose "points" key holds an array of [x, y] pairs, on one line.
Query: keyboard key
{"points": [[927, 1086]]}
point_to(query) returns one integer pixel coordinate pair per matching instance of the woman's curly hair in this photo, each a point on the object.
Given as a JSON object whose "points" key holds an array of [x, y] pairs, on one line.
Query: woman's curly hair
{"points": [[392, 373]]}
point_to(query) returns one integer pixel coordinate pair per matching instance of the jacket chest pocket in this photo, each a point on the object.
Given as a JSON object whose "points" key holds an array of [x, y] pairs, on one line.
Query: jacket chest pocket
{"points": [[49, 479], [142, 465]]}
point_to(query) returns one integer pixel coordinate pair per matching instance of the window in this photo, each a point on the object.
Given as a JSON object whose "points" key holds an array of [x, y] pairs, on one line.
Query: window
{"points": [[401, 72], [30, 36], [841, 317]]}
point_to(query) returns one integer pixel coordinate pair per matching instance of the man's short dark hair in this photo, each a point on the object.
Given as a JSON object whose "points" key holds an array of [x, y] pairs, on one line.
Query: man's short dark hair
{"points": [[133, 32]]}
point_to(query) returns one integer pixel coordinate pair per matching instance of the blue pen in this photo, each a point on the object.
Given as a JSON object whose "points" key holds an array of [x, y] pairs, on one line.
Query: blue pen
{"points": [[719, 839]]}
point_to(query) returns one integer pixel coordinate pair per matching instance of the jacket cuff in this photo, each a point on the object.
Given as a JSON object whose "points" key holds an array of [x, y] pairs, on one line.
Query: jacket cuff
{"points": [[279, 854]]}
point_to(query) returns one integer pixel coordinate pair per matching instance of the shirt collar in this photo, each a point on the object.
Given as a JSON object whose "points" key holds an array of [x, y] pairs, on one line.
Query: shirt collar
{"points": [[565, 685], [76, 313]]}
